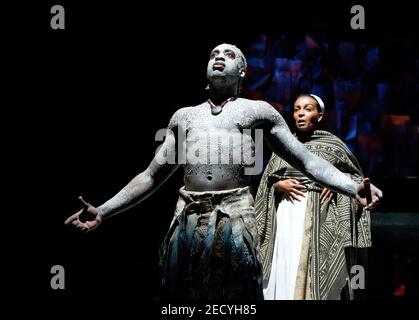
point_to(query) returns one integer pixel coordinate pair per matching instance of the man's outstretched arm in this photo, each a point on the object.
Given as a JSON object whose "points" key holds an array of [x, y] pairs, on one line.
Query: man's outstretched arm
{"points": [[145, 183], [139, 188], [285, 145]]}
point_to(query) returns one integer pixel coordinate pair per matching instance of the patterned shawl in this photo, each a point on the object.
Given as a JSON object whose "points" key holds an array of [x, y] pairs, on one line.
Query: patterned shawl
{"points": [[329, 227]]}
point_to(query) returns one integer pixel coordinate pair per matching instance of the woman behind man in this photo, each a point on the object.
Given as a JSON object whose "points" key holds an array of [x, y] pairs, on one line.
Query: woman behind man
{"points": [[308, 233]]}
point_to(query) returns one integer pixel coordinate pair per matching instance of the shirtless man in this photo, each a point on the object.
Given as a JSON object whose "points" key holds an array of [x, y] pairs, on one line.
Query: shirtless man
{"points": [[211, 250]]}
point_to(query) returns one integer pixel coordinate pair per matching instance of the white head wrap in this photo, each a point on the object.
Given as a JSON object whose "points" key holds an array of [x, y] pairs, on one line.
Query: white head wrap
{"points": [[319, 101]]}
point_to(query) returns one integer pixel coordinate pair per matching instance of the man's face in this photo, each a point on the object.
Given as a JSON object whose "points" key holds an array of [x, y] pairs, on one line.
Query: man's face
{"points": [[224, 61], [306, 114]]}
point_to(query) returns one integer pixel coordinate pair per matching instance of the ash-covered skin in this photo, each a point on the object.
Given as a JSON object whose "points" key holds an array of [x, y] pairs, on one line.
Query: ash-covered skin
{"points": [[225, 71]]}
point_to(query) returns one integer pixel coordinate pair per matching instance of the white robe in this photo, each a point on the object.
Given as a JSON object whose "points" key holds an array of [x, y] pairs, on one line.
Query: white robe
{"points": [[287, 249]]}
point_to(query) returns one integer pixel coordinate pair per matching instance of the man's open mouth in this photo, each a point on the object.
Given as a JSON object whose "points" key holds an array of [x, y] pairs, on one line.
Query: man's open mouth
{"points": [[218, 66]]}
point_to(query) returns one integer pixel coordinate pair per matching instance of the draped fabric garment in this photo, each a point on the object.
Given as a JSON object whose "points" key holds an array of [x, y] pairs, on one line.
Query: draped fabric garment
{"points": [[329, 227], [211, 250]]}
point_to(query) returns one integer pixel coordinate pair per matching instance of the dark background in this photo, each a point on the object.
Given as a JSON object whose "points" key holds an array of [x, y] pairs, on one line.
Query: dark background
{"points": [[88, 101]]}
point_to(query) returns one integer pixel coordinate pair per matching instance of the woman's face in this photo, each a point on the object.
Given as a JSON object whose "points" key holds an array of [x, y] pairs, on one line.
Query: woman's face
{"points": [[306, 114]]}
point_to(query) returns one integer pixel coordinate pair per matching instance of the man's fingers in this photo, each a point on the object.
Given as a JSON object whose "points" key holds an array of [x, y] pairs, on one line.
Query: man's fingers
{"points": [[376, 191], [374, 203], [91, 225], [70, 219], [367, 186], [368, 194], [74, 223], [84, 227], [84, 203]]}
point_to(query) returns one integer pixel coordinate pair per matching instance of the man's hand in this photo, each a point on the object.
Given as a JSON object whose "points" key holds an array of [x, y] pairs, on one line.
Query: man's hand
{"points": [[326, 195], [86, 219], [291, 188], [368, 195]]}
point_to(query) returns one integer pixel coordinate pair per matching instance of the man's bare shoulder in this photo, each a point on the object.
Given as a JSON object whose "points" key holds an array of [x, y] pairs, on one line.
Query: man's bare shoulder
{"points": [[260, 109], [256, 103], [184, 113], [257, 106]]}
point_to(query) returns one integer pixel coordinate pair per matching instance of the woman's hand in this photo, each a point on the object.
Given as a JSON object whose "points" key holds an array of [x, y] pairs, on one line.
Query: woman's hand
{"points": [[326, 195], [291, 188]]}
